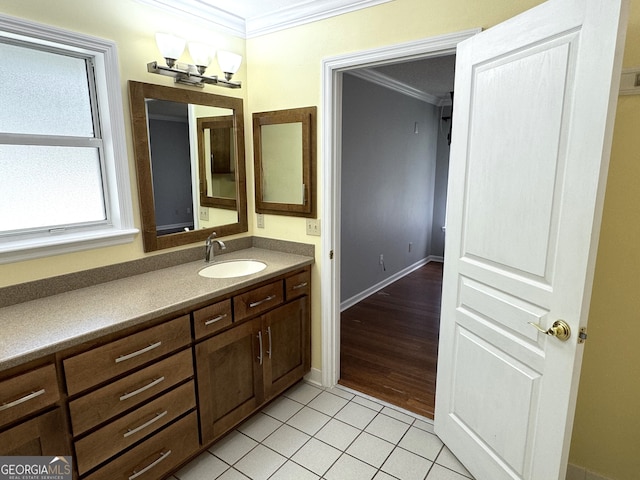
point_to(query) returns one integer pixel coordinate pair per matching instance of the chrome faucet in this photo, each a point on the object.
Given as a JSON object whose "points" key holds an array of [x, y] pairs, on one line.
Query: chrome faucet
{"points": [[208, 247]]}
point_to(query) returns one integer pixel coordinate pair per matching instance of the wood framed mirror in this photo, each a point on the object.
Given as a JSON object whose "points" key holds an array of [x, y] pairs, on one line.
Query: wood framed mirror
{"points": [[170, 160], [284, 156]]}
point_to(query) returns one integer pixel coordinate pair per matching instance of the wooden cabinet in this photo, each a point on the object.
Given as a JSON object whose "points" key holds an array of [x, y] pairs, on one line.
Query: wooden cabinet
{"points": [[125, 405], [133, 390], [265, 351], [31, 398]]}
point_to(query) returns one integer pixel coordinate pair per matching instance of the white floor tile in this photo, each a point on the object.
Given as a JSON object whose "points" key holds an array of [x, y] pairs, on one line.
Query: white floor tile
{"points": [[303, 392], [233, 447], [422, 425], [383, 476], [406, 465], [356, 415], [440, 473], [370, 449], [349, 468], [260, 463], [421, 443], [286, 440], [328, 403], [316, 456], [448, 459], [337, 434], [387, 428], [365, 402], [204, 467], [232, 474], [259, 426], [293, 471], [308, 420], [403, 417], [282, 408], [341, 393]]}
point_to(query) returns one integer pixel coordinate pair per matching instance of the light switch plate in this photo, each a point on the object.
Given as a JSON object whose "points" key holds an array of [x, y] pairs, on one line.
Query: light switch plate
{"points": [[313, 226]]}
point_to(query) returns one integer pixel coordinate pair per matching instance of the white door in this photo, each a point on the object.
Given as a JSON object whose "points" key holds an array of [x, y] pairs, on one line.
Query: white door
{"points": [[533, 113]]}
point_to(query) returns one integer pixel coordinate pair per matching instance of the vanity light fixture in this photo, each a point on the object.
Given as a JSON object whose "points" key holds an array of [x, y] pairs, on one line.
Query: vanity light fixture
{"points": [[172, 47]]}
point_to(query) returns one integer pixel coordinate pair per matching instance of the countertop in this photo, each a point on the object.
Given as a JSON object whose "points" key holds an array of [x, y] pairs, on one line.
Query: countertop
{"points": [[33, 329]]}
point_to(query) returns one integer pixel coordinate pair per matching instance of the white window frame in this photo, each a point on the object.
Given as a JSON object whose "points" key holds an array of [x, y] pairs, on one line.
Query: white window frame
{"points": [[120, 227]]}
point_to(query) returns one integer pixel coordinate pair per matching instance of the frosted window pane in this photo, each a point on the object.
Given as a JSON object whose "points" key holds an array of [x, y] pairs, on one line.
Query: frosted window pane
{"points": [[43, 93], [49, 186]]}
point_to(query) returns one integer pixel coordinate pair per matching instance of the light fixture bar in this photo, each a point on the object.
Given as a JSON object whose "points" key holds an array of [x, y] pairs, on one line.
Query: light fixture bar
{"points": [[187, 77]]}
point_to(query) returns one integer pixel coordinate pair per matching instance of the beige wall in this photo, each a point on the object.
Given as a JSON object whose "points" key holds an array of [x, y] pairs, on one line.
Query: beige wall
{"points": [[283, 70]]}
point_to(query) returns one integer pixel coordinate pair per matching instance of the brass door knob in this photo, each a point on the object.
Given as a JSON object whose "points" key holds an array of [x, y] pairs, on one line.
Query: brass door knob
{"points": [[560, 329]]}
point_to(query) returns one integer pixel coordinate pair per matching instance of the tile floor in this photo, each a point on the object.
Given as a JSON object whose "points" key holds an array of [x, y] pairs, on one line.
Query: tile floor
{"points": [[310, 433]]}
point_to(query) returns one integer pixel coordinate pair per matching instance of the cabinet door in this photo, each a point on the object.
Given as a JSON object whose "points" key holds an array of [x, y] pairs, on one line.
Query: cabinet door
{"points": [[287, 346], [230, 386], [42, 435]]}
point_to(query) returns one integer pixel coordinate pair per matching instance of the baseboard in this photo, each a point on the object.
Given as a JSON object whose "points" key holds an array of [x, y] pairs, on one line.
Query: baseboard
{"points": [[574, 472], [314, 376], [350, 302]]}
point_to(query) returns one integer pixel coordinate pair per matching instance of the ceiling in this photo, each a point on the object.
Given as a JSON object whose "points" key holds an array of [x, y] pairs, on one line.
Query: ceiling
{"points": [[429, 79]]}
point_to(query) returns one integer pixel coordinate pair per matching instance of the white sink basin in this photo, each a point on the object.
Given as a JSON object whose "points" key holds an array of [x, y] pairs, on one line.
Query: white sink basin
{"points": [[232, 268]]}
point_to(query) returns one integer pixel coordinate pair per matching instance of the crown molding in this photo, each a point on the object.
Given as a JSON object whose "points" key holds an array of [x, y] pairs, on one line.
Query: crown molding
{"points": [[263, 24], [398, 86], [305, 13], [203, 13]]}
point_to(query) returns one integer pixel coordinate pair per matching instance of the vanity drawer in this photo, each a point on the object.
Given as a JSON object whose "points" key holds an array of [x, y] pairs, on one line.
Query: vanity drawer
{"points": [[212, 318], [298, 285], [257, 301], [155, 457], [28, 393], [96, 407], [124, 432], [102, 363]]}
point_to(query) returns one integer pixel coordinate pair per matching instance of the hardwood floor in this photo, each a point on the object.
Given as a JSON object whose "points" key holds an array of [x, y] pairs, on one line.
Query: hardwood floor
{"points": [[389, 341]]}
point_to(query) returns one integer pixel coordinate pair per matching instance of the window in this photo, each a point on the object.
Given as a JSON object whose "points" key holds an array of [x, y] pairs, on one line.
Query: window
{"points": [[64, 182]]}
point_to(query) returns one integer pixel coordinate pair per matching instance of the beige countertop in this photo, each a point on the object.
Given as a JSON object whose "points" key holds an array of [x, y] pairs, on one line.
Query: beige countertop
{"points": [[33, 329]]}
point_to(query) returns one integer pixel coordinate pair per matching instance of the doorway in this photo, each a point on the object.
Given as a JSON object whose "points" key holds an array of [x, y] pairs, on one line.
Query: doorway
{"points": [[333, 71]]}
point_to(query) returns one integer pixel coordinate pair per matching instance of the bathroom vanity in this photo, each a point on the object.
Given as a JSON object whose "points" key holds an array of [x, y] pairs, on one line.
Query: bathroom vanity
{"points": [[136, 376]]}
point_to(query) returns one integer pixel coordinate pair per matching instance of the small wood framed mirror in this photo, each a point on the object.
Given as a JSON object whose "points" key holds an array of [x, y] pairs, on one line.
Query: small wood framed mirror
{"points": [[284, 153]]}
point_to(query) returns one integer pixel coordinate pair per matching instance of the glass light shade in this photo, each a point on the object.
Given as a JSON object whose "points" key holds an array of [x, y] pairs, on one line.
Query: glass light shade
{"points": [[229, 62], [170, 46], [201, 54]]}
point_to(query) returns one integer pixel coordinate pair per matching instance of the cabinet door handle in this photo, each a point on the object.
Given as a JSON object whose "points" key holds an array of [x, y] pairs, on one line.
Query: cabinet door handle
{"points": [[153, 383], [260, 302], [216, 319], [26, 398], [300, 285], [260, 344], [163, 455], [128, 356], [131, 431], [269, 333]]}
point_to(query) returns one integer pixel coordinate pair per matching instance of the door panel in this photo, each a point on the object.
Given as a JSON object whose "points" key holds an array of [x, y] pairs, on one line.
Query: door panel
{"points": [[533, 111]]}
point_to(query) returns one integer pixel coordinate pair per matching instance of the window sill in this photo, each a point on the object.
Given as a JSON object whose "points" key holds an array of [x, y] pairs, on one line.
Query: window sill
{"points": [[37, 248]]}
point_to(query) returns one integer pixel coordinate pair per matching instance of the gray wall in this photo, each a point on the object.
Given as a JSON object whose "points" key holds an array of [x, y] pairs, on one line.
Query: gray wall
{"points": [[387, 185]]}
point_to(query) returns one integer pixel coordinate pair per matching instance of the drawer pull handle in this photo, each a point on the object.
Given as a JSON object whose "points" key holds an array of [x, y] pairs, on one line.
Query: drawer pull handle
{"points": [[260, 302], [269, 332], [300, 285], [26, 398], [122, 358], [141, 389], [260, 357], [163, 455], [131, 431], [216, 319]]}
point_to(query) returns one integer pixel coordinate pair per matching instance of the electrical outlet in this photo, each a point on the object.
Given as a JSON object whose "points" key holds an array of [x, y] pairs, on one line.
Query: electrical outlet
{"points": [[410, 246], [204, 213], [313, 226], [381, 262], [260, 219]]}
